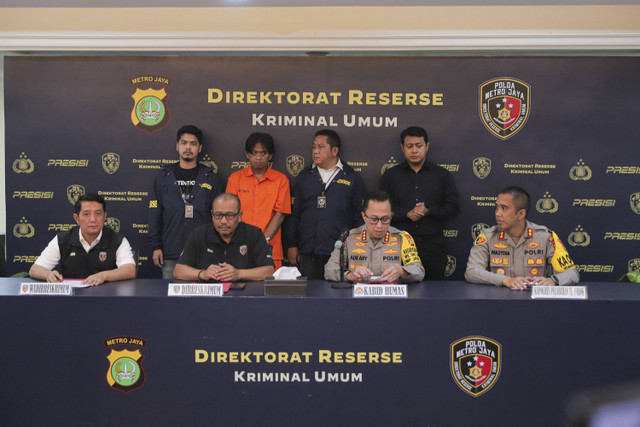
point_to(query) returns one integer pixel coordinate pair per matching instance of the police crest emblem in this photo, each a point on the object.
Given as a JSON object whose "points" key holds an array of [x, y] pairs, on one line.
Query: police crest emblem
{"points": [[110, 162], [113, 223], [475, 364], [23, 164], [150, 111], [125, 371], [504, 105], [482, 167], [476, 229], [634, 201], [295, 164], [73, 192]]}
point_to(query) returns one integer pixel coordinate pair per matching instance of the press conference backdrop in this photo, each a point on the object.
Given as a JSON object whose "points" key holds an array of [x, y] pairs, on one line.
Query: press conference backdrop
{"points": [[564, 128]]}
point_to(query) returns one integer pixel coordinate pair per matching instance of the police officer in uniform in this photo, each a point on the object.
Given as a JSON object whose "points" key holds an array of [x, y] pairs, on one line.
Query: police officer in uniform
{"points": [[376, 249], [517, 253]]}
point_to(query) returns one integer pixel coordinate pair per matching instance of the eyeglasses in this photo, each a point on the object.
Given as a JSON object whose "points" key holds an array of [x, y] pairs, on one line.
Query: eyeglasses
{"points": [[229, 216], [374, 220]]}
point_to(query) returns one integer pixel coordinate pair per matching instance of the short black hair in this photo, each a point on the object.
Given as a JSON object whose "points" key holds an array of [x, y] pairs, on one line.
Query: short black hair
{"points": [[332, 137], [377, 196], [259, 138], [89, 198], [189, 129], [521, 199], [227, 196], [416, 131]]}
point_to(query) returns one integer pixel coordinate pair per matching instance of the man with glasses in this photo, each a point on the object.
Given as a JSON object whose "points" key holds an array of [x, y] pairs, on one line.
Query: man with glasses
{"points": [[225, 250], [182, 197], [376, 251], [263, 192]]}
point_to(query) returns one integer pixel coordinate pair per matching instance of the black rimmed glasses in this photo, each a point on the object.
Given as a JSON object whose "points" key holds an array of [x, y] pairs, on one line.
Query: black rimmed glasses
{"points": [[374, 219]]}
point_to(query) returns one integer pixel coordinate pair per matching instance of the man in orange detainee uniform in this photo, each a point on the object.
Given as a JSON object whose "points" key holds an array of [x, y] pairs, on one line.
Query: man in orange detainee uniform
{"points": [[263, 192]]}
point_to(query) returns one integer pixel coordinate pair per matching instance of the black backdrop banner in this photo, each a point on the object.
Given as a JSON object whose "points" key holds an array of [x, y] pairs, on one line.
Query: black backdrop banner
{"points": [[562, 127]]}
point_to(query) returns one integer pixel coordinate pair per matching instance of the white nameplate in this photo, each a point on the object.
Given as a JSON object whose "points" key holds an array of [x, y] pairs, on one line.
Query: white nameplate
{"points": [[34, 288], [559, 292], [195, 290], [379, 291]]}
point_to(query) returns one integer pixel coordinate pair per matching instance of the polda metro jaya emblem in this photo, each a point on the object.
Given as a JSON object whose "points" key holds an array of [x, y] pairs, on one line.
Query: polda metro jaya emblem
{"points": [[150, 111], [504, 105], [475, 364], [125, 371]]}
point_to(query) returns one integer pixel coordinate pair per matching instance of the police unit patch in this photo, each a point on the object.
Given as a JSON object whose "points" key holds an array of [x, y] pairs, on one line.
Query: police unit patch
{"points": [[475, 364], [150, 111], [125, 371], [504, 105]]}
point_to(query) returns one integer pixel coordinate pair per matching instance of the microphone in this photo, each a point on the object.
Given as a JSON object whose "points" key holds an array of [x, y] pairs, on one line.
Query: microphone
{"points": [[341, 244], [342, 239]]}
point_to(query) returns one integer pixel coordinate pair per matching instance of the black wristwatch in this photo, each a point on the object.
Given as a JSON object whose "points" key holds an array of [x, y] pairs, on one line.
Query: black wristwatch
{"points": [[555, 279]]}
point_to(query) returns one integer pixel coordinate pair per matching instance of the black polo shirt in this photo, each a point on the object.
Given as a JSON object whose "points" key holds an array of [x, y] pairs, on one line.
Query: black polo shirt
{"points": [[247, 249]]}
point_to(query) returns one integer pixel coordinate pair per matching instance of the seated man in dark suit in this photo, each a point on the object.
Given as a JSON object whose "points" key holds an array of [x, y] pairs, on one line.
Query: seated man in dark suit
{"points": [[225, 250], [89, 251]]}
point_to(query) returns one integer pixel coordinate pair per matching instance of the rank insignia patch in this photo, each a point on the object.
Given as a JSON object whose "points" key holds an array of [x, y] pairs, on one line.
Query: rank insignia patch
{"points": [[504, 105], [475, 364], [125, 371]]}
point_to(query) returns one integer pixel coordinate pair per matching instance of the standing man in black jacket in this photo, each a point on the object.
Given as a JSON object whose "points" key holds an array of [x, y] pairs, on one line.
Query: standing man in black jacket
{"points": [[423, 198], [327, 200], [182, 196]]}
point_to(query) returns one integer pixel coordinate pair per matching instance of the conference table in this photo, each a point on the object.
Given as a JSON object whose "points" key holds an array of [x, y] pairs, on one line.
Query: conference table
{"points": [[324, 359]]}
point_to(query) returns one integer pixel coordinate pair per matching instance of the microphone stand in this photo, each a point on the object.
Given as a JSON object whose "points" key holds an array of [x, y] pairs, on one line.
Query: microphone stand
{"points": [[342, 284]]}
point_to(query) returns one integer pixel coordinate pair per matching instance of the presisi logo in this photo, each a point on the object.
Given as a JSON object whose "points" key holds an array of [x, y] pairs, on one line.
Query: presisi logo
{"points": [[595, 203], [579, 237], [125, 371], [547, 204], [23, 165], [73, 192], [451, 266], [239, 165], [482, 167], [451, 167], [68, 163], [150, 111], [580, 172], [623, 170], [609, 235], [23, 229], [32, 195], [476, 363], [206, 160], [595, 268], [110, 162], [27, 259], [476, 229], [504, 106], [113, 223], [450, 233], [390, 163], [60, 227]]}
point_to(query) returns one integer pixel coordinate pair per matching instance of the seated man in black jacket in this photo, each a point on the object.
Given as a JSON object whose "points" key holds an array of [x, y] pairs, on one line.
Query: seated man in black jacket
{"points": [[226, 249], [89, 252]]}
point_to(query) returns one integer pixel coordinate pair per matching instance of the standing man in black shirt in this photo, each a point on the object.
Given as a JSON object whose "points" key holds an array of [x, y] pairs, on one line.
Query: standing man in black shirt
{"points": [[423, 198], [182, 196]]}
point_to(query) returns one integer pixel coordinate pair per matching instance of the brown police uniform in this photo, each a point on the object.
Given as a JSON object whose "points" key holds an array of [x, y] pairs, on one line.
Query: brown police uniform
{"points": [[495, 255], [396, 247]]}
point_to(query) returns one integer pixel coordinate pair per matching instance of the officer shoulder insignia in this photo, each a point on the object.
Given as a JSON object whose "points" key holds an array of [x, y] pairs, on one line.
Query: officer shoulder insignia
{"points": [[529, 232], [364, 235], [480, 240], [501, 235]]}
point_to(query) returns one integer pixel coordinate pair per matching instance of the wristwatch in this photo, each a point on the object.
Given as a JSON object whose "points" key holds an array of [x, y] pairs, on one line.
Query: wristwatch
{"points": [[555, 279]]}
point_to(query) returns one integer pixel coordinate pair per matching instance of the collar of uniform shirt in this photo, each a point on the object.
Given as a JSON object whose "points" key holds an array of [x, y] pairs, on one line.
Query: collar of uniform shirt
{"points": [[87, 247], [328, 174]]}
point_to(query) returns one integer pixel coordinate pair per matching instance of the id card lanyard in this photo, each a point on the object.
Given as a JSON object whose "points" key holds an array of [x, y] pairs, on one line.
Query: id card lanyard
{"points": [[322, 199]]}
